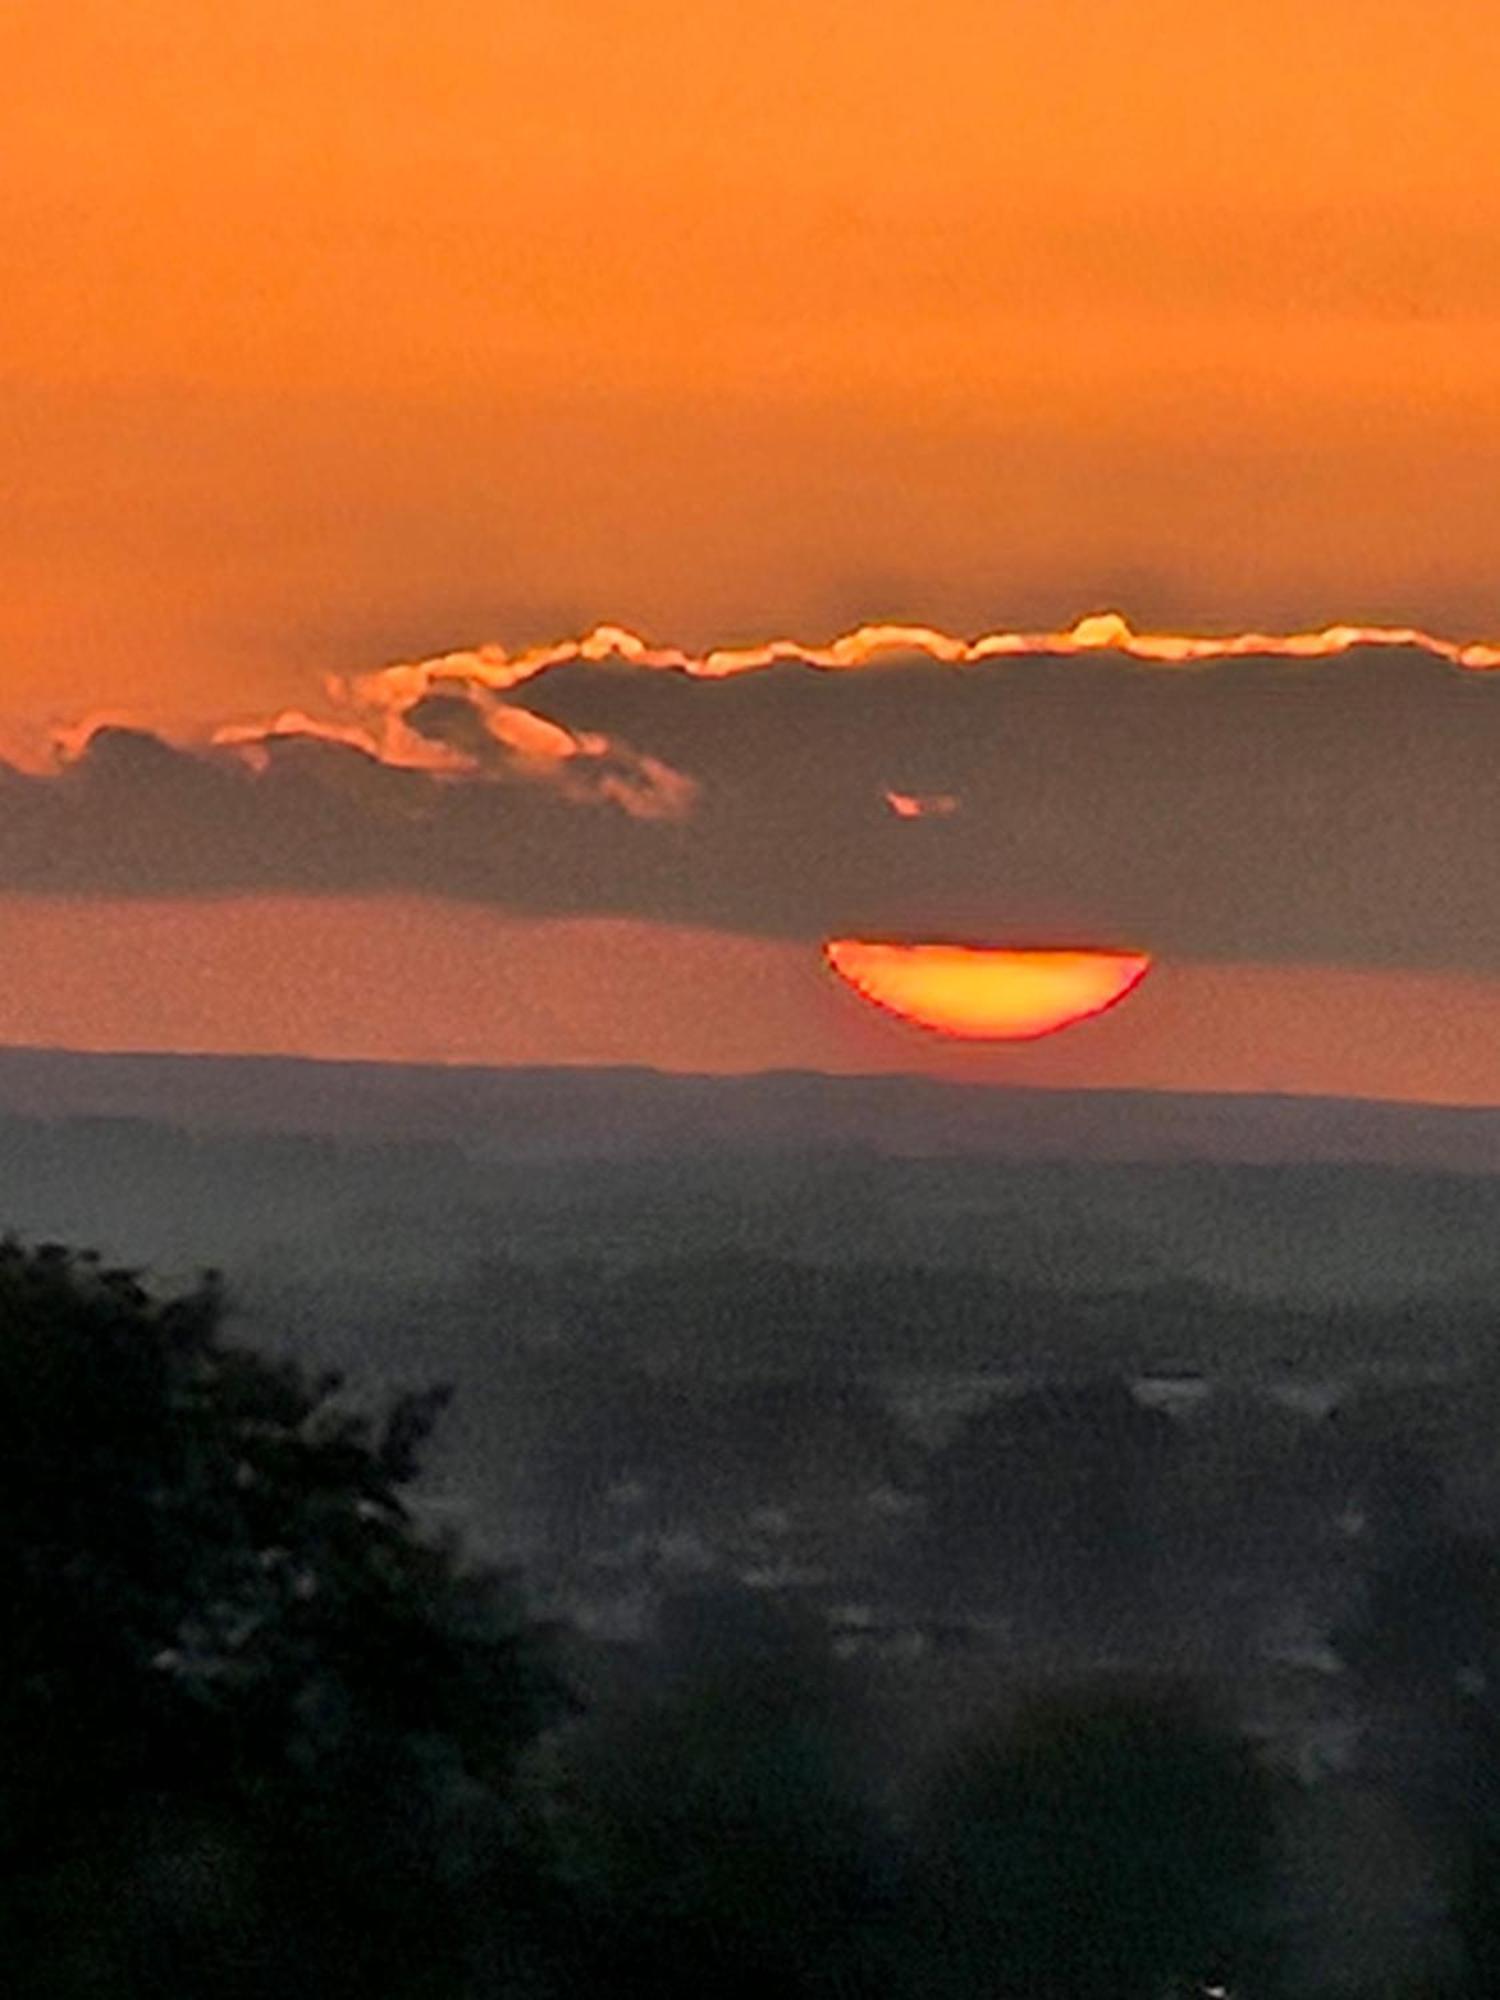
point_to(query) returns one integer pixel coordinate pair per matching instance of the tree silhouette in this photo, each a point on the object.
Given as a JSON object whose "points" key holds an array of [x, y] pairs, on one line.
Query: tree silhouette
{"points": [[1101, 1844], [721, 1826], [1424, 1645], [228, 1646], [1057, 1505]]}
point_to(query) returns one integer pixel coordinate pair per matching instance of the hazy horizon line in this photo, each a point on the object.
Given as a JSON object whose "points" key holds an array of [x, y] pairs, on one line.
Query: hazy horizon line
{"points": [[845, 1079]]}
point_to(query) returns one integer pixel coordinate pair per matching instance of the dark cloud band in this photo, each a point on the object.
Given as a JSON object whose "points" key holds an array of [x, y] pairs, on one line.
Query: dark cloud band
{"points": [[1345, 808]]}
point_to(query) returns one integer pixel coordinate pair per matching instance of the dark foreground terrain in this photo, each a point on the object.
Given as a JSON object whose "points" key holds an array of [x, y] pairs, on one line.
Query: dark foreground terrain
{"points": [[956, 1575]]}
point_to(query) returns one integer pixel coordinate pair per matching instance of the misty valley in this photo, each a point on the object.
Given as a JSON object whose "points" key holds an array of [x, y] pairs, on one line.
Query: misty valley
{"points": [[960, 1574]]}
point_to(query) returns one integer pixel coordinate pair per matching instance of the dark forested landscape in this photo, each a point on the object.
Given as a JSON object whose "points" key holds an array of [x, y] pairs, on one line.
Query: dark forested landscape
{"points": [[551, 1571]]}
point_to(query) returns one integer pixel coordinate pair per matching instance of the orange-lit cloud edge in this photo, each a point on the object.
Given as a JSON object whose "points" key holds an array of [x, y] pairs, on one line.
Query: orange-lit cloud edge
{"points": [[378, 701], [986, 993], [1098, 632], [369, 710]]}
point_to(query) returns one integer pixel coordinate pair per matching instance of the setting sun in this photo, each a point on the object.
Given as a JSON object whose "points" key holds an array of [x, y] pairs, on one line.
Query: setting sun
{"points": [[986, 994]]}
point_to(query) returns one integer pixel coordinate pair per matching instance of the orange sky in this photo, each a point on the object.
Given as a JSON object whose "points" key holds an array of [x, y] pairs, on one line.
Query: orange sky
{"points": [[408, 980], [346, 333]]}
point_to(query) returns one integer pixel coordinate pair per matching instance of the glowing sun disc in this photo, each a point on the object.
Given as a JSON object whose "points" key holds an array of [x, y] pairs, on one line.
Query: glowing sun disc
{"points": [[983, 994]]}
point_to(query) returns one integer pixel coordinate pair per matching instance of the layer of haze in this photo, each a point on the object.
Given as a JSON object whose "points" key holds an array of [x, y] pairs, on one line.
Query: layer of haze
{"points": [[411, 980], [342, 333]]}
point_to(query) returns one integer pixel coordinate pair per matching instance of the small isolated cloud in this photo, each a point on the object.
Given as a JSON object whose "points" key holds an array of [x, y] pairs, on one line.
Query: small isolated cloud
{"points": [[922, 805]]}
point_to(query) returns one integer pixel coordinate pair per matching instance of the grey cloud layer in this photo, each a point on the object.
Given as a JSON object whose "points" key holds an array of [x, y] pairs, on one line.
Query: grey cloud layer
{"points": [[1343, 809]]}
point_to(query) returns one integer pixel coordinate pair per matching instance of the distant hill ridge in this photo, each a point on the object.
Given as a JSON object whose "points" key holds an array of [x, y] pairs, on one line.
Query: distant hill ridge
{"points": [[624, 1112]]}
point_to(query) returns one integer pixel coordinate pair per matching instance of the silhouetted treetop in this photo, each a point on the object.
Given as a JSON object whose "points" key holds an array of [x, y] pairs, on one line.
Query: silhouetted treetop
{"points": [[1104, 1841], [216, 1593]]}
